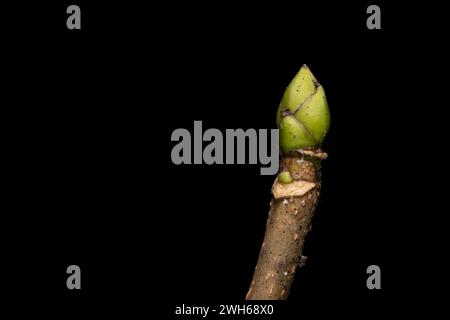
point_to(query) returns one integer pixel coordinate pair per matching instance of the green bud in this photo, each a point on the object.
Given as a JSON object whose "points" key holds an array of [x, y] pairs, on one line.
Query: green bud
{"points": [[303, 116], [285, 177], [293, 135]]}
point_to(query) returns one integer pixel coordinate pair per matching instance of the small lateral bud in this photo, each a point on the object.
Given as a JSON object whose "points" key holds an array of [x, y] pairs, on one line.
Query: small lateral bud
{"points": [[285, 177]]}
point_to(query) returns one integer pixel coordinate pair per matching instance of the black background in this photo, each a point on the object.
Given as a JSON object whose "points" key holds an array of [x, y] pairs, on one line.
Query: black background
{"points": [[93, 183]]}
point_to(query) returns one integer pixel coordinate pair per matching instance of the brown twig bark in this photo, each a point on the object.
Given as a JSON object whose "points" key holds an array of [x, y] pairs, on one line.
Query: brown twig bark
{"points": [[288, 224]]}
